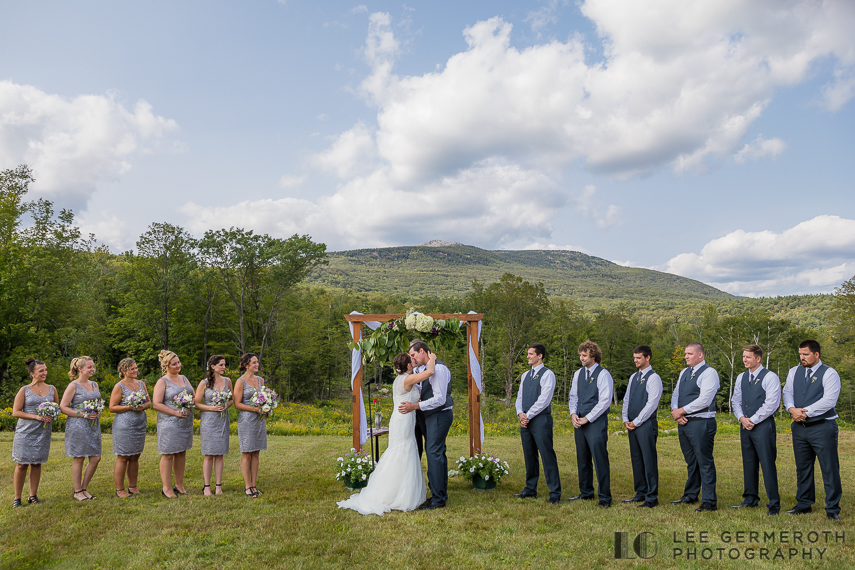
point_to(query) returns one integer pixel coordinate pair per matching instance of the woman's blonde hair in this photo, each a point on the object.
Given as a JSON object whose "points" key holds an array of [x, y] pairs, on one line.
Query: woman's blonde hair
{"points": [[125, 365], [166, 357], [76, 365]]}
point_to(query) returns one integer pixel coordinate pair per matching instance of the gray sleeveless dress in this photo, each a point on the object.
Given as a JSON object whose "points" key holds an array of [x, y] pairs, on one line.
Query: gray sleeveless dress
{"points": [[82, 439], [129, 428], [252, 427], [213, 428], [174, 434], [31, 445]]}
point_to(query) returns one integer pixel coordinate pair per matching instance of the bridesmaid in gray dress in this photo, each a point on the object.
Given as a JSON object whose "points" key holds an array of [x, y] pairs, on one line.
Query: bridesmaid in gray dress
{"points": [[174, 425], [31, 445], [129, 427], [252, 423], [214, 423], [82, 433]]}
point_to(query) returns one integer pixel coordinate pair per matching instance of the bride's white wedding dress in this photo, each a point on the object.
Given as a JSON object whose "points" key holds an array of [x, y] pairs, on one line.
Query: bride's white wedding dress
{"points": [[397, 482]]}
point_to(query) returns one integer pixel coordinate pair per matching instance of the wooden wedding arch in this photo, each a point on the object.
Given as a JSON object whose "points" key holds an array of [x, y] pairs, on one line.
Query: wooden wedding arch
{"points": [[472, 320]]}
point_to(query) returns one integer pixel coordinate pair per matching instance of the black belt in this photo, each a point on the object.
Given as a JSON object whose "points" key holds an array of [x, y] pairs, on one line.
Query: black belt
{"points": [[813, 423]]}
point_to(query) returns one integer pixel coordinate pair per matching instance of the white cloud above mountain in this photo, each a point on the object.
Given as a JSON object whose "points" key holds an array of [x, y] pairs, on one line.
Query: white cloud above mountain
{"points": [[811, 257]]}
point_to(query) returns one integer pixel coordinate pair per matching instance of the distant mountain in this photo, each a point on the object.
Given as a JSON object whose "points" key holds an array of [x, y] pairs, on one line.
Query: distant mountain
{"points": [[445, 269]]}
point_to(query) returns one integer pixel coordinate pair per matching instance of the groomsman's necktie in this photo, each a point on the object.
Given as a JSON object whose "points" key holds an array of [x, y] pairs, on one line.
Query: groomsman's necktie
{"points": [[752, 379]]}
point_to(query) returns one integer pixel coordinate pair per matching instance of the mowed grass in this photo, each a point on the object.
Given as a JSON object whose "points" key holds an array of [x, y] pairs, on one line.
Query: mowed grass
{"points": [[295, 523]]}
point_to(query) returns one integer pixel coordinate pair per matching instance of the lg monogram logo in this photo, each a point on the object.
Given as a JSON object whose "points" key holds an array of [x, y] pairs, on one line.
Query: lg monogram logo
{"points": [[643, 546]]}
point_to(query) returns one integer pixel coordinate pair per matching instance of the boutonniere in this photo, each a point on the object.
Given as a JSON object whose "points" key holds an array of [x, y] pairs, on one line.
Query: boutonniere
{"points": [[642, 380], [812, 380]]}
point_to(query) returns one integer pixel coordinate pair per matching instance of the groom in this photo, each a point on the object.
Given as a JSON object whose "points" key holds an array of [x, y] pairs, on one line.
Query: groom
{"points": [[436, 405]]}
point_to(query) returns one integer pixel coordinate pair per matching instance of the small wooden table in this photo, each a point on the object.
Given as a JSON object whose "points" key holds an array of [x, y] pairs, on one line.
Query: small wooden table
{"points": [[376, 433]]}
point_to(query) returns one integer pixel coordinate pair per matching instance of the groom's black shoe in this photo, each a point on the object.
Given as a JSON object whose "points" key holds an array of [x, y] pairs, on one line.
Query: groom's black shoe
{"points": [[553, 500], [430, 506], [525, 494], [424, 505]]}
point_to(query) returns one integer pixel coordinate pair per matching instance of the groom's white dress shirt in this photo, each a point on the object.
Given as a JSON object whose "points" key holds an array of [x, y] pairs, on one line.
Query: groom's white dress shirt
{"points": [[547, 388], [439, 382]]}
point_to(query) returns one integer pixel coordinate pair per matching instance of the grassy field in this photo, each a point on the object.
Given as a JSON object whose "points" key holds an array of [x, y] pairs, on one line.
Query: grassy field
{"points": [[295, 523]]}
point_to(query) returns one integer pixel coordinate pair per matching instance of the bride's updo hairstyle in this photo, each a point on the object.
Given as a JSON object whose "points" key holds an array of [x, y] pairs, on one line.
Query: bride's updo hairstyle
{"points": [[401, 362], [166, 357]]}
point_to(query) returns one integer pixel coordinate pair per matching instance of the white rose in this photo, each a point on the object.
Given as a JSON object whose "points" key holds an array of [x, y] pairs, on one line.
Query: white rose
{"points": [[265, 408], [341, 459], [486, 477], [472, 470], [364, 477]]}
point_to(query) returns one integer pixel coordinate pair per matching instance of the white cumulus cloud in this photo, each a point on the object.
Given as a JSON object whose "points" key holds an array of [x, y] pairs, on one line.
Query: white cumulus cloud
{"points": [[679, 87], [811, 257], [73, 145]]}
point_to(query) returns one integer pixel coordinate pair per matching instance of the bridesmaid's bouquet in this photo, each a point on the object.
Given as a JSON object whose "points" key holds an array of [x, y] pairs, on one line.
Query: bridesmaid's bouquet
{"points": [[221, 398], [265, 400], [183, 401], [92, 407], [135, 399], [48, 410]]}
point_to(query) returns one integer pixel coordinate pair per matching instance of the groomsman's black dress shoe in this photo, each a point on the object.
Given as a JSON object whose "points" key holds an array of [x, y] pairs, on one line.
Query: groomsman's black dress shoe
{"points": [[553, 500], [706, 507], [633, 500], [648, 504], [526, 494], [431, 506], [685, 500], [833, 516], [798, 511], [604, 504], [773, 513], [744, 506], [581, 498], [424, 505]]}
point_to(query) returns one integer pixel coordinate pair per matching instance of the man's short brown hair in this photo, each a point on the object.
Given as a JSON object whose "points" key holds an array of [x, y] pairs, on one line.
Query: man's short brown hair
{"points": [[754, 349]]}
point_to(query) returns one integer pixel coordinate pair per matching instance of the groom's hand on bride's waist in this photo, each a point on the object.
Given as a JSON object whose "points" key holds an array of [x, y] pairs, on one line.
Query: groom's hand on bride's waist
{"points": [[408, 407]]}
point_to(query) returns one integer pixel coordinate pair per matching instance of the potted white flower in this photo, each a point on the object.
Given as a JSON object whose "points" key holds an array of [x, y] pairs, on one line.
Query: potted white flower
{"points": [[354, 469], [484, 470]]}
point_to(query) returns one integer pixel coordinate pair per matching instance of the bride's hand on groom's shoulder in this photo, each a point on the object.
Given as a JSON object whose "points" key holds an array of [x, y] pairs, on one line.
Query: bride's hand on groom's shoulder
{"points": [[432, 357]]}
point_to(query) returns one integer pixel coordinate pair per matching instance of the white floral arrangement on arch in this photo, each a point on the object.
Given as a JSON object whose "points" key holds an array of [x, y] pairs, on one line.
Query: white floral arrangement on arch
{"points": [[487, 466]]}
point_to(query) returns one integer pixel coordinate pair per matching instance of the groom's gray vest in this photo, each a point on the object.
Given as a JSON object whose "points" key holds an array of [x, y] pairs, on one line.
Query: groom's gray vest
{"points": [[427, 394]]}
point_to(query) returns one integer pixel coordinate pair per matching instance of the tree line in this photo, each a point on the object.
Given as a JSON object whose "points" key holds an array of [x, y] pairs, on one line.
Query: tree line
{"points": [[234, 291]]}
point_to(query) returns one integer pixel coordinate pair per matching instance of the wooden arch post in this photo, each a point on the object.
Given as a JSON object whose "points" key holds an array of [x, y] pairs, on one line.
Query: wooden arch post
{"points": [[471, 320]]}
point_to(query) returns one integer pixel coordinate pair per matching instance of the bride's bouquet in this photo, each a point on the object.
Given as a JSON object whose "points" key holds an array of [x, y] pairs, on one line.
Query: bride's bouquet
{"points": [[265, 400], [91, 407], [48, 410], [221, 398], [183, 401], [135, 399]]}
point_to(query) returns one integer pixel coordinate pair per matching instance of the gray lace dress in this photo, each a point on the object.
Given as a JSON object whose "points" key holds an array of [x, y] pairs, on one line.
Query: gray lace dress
{"points": [[129, 427], [82, 435], [31, 445], [252, 427], [174, 434], [213, 428]]}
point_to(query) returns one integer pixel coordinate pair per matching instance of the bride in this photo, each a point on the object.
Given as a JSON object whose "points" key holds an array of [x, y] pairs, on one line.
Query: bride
{"points": [[397, 482]]}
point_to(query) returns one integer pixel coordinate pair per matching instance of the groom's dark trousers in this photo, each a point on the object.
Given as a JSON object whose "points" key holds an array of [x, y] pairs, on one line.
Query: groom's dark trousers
{"points": [[421, 431], [438, 424]]}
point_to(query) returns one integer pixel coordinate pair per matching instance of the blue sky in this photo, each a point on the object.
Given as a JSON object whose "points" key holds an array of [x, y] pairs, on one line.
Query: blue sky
{"points": [[711, 140]]}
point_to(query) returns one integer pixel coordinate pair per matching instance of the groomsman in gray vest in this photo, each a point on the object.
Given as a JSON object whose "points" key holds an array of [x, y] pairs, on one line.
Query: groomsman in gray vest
{"points": [[810, 395], [534, 410], [437, 404], [693, 407], [590, 396], [639, 417], [756, 398]]}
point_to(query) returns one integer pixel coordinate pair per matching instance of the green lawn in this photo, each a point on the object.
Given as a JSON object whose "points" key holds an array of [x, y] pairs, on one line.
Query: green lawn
{"points": [[295, 523]]}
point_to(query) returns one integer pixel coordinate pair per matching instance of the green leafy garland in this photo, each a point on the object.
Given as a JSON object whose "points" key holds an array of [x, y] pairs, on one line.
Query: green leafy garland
{"points": [[392, 338]]}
